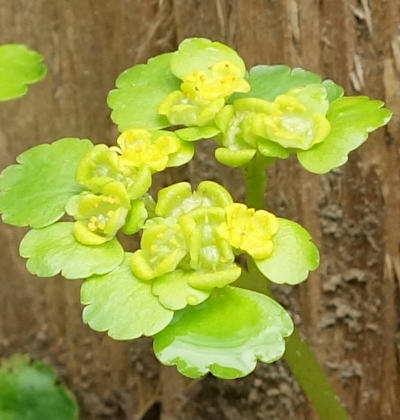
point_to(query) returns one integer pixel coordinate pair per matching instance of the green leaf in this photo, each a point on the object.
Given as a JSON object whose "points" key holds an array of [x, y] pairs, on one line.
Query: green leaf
{"points": [[122, 305], [293, 255], [197, 133], [54, 249], [140, 89], [35, 192], [182, 156], [234, 158], [351, 119], [267, 82], [225, 335], [174, 291], [19, 67], [30, 391], [333, 90], [197, 54]]}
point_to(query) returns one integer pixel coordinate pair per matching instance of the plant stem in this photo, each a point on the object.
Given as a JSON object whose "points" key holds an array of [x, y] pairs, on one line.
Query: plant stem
{"points": [[298, 355]]}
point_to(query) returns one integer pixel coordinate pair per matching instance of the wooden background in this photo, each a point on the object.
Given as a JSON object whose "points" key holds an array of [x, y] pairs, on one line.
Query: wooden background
{"points": [[348, 310]]}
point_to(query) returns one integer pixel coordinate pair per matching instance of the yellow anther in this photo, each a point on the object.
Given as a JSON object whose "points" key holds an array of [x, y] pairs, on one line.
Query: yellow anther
{"points": [[218, 81]]}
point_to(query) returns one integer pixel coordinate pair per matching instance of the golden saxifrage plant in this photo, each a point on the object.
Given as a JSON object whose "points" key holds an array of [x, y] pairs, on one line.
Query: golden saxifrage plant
{"points": [[184, 285]]}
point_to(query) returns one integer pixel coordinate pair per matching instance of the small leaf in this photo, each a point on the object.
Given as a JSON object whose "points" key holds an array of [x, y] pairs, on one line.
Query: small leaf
{"points": [[333, 90], [140, 89], [19, 67], [35, 192], [197, 133], [197, 54], [225, 335], [29, 391], [174, 291], [351, 119], [293, 255], [122, 305], [267, 82], [234, 158], [54, 249], [182, 156]]}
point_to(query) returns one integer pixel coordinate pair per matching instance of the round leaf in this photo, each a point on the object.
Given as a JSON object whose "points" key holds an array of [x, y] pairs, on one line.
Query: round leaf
{"points": [[293, 255], [54, 249], [29, 391], [35, 191], [122, 305], [197, 133], [351, 119], [225, 335], [140, 89], [196, 54], [19, 67], [267, 82], [174, 291]]}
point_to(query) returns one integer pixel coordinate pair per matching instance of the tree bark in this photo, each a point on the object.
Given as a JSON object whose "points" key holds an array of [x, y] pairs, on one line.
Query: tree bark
{"points": [[348, 310]]}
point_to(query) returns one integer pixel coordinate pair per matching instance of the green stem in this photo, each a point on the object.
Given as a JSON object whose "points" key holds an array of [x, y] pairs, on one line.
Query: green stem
{"points": [[298, 355]]}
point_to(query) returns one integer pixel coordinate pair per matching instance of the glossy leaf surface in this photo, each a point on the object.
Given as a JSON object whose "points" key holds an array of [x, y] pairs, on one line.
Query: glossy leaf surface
{"points": [[35, 191], [225, 335], [352, 118], [197, 54], [267, 82], [29, 391], [174, 291], [293, 255], [54, 250], [122, 305], [140, 90], [19, 67]]}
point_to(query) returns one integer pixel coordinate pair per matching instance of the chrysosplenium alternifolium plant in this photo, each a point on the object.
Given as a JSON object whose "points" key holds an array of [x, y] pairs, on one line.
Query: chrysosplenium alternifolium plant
{"points": [[179, 286]]}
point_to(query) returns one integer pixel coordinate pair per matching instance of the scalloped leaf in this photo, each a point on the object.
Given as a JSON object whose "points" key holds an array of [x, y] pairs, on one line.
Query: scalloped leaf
{"points": [[19, 67], [352, 118], [54, 250], [174, 291], [225, 335], [122, 305], [140, 89], [196, 54], [293, 255], [30, 391], [267, 82], [35, 191]]}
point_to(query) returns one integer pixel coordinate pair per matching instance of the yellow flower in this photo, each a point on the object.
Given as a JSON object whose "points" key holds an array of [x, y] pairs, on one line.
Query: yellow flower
{"points": [[139, 147], [249, 230], [203, 94], [219, 81], [99, 216]]}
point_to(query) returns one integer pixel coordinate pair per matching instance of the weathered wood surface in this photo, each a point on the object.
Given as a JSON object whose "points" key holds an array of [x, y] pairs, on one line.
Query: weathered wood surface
{"points": [[349, 309]]}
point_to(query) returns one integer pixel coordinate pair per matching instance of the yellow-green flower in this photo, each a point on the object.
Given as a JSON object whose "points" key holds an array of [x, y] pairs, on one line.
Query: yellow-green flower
{"points": [[249, 230], [219, 81], [203, 94], [99, 216], [162, 248], [298, 120], [102, 165], [294, 121], [139, 148]]}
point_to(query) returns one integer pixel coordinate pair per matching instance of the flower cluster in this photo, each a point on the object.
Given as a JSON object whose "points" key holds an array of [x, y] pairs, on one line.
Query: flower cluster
{"points": [[116, 179], [184, 285]]}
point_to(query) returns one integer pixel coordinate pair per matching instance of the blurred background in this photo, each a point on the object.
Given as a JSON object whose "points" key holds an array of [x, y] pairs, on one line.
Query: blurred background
{"points": [[348, 310]]}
